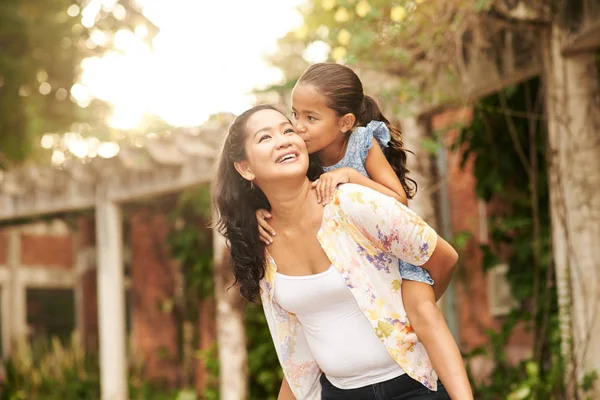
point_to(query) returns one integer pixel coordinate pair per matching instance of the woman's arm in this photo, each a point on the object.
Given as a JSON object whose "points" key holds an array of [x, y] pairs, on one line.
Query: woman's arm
{"points": [[398, 231], [382, 174], [285, 393]]}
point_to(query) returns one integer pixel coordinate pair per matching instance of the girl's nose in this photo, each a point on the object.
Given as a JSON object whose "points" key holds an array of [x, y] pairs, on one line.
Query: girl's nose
{"points": [[300, 128]]}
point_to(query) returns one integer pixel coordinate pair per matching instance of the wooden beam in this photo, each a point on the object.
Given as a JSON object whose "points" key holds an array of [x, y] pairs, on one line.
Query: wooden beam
{"points": [[14, 209], [163, 181], [480, 91], [160, 185], [585, 41]]}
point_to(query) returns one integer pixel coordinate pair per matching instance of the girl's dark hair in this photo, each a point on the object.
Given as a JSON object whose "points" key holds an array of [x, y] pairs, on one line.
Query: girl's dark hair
{"points": [[343, 91], [236, 203]]}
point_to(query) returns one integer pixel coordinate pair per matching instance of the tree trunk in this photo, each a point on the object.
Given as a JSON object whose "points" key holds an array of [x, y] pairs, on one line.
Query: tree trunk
{"points": [[231, 334], [573, 111]]}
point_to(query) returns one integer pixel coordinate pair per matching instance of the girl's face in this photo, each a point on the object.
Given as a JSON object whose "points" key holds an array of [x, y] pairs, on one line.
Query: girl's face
{"points": [[274, 151], [316, 123]]}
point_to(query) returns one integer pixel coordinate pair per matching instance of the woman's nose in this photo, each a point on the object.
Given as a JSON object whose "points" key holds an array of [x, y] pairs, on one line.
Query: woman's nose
{"points": [[283, 142]]}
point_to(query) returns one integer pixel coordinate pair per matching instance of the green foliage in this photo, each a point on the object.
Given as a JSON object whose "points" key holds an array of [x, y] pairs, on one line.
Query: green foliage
{"points": [[414, 40], [41, 50], [190, 242], [264, 370], [506, 141], [50, 370], [210, 358]]}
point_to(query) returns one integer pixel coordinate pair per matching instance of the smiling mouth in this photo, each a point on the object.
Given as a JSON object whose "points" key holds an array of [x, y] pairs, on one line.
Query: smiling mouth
{"points": [[286, 157]]}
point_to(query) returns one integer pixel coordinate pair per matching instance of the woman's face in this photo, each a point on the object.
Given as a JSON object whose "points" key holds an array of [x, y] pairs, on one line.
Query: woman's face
{"points": [[274, 150]]}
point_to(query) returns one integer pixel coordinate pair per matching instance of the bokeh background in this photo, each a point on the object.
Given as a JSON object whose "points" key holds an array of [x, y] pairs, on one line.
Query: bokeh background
{"points": [[112, 284]]}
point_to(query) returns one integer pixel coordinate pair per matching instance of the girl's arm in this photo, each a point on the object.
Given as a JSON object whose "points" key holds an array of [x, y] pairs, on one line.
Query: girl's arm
{"points": [[441, 266], [285, 393], [380, 171], [327, 183]]}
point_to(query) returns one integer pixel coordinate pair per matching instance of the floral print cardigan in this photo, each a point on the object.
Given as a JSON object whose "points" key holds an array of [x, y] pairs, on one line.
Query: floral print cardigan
{"points": [[365, 234]]}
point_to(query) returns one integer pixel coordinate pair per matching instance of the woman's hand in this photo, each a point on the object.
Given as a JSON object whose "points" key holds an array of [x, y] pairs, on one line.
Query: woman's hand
{"points": [[327, 183], [265, 231]]}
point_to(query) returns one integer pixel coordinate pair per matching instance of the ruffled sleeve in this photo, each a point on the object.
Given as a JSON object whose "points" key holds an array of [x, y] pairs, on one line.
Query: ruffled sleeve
{"points": [[364, 137], [380, 132]]}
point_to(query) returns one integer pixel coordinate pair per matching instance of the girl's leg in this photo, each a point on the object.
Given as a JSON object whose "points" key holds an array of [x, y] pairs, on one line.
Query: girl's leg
{"points": [[428, 322]]}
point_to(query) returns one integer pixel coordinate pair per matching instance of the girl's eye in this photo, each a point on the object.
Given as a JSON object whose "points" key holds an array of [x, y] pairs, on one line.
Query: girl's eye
{"points": [[263, 137], [294, 115], [312, 119]]}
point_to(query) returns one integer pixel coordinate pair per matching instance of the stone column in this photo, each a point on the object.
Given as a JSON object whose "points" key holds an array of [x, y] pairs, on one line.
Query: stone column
{"points": [[573, 111]]}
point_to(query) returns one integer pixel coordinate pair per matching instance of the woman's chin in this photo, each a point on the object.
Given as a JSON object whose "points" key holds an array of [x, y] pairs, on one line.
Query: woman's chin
{"points": [[289, 171]]}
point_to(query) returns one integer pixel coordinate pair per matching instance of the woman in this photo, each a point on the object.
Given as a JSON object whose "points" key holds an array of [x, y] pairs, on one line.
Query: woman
{"points": [[329, 284]]}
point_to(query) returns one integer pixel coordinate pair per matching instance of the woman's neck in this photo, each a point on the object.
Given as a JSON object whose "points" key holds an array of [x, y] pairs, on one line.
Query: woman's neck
{"points": [[290, 205]]}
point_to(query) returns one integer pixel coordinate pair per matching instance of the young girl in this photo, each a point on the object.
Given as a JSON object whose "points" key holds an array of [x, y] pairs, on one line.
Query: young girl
{"points": [[352, 142]]}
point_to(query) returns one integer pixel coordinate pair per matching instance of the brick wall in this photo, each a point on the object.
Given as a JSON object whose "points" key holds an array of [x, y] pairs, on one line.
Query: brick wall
{"points": [[152, 283], [472, 294], [472, 300], [208, 336], [86, 237], [47, 251]]}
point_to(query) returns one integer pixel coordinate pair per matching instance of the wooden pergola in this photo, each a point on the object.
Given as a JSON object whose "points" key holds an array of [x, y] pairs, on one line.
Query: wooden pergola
{"points": [[166, 163], [170, 163]]}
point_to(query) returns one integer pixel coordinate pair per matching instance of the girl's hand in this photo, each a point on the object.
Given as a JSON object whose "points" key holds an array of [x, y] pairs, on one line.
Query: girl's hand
{"points": [[264, 229], [327, 183]]}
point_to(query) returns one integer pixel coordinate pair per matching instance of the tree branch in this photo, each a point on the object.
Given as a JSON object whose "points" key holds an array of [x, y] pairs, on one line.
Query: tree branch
{"points": [[514, 135]]}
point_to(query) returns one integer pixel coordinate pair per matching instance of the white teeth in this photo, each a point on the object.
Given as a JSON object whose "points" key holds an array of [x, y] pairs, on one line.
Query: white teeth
{"points": [[287, 157]]}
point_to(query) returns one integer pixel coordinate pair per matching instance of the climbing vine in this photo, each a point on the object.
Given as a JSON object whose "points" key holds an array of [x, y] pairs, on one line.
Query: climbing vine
{"points": [[506, 141]]}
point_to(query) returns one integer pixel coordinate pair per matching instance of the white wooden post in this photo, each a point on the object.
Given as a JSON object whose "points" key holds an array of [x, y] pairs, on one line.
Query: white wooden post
{"points": [[231, 332], [16, 290], [111, 299], [6, 317]]}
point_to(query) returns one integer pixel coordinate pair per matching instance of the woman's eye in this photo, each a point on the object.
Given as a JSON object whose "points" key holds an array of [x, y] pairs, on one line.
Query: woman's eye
{"points": [[289, 130], [263, 137]]}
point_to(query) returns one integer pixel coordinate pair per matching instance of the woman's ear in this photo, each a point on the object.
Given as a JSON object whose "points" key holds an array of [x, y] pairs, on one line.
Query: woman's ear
{"points": [[346, 122], [243, 168]]}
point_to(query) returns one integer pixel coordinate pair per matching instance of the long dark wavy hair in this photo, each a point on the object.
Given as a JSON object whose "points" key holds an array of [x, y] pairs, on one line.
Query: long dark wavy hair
{"points": [[344, 94], [236, 202]]}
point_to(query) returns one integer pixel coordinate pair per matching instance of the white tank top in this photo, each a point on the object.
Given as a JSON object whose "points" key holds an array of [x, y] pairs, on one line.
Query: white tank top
{"points": [[339, 336]]}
